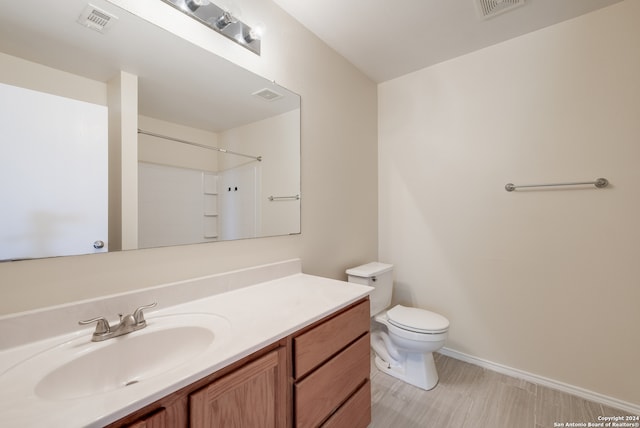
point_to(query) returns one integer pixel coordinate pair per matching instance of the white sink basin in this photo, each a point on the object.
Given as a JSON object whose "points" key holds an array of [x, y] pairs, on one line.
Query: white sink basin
{"points": [[81, 368]]}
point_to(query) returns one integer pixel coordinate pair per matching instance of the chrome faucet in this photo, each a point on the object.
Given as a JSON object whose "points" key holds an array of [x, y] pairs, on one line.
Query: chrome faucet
{"points": [[127, 324]]}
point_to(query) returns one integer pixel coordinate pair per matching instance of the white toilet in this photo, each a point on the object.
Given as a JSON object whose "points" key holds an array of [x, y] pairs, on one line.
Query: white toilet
{"points": [[402, 338]]}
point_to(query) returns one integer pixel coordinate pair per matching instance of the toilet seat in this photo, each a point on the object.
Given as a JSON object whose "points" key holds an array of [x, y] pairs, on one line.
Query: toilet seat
{"points": [[417, 320]]}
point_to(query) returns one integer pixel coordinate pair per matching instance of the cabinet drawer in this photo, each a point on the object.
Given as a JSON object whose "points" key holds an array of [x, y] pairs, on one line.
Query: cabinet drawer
{"points": [[324, 390], [317, 345], [355, 413]]}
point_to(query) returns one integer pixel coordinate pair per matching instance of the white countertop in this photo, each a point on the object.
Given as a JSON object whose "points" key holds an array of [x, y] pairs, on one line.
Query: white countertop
{"points": [[257, 315]]}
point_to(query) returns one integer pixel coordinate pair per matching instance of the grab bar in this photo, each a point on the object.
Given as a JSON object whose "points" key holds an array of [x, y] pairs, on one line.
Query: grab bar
{"points": [[283, 198], [599, 183]]}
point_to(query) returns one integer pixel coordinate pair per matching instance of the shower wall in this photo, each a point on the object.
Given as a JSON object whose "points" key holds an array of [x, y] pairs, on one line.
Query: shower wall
{"points": [[170, 202]]}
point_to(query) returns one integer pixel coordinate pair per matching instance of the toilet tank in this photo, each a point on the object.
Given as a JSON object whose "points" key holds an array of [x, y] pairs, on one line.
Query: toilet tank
{"points": [[379, 276]]}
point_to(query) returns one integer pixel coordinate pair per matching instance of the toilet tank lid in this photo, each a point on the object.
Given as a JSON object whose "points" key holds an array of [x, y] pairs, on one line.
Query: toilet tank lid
{"points": [[370, 269]]}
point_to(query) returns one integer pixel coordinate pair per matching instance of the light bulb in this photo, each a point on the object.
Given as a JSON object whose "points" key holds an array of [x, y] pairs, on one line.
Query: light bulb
{"points": [[256, 32], [224, 20], [193, 5], [230, 7]]}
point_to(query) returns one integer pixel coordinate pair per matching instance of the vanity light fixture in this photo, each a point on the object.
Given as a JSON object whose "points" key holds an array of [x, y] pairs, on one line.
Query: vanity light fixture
{"points": [[256, 33], [222, 21], [192, 5]]}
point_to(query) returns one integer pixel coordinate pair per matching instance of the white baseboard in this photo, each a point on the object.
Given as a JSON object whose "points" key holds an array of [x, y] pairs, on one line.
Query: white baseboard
{"points": [[540, 380]]}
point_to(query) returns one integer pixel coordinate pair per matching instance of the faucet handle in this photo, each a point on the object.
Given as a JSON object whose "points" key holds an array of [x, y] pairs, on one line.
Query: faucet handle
{"points": [[139, 316], [102, 325]]}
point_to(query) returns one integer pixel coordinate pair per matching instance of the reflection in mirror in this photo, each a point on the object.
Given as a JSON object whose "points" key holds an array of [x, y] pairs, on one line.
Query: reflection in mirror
{"points": [[167, 105]]}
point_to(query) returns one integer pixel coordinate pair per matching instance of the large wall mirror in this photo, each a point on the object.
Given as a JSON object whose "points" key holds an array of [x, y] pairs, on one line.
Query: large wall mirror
{"points": [[130, 137]]}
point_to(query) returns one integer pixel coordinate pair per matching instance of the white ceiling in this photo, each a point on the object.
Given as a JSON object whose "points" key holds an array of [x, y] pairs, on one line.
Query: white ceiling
{"points": [[383, 39], [387, 39]]}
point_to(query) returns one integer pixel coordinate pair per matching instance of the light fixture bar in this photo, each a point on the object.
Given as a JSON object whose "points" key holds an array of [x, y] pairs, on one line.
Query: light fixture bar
{"points": [[220, 20]]}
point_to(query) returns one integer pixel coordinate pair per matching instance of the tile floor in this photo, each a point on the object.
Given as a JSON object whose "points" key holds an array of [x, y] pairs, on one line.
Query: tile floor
{"points": [[469, 396]]}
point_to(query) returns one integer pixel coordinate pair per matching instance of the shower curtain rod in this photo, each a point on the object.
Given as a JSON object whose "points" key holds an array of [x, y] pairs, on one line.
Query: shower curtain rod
{"points": [[152, 134]]}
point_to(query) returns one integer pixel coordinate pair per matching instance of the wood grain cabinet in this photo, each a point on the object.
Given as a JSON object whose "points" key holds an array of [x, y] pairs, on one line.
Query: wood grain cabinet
{"points": [[252, 396], [331, 371], [316, 377], [251, 393], [157, 419]]}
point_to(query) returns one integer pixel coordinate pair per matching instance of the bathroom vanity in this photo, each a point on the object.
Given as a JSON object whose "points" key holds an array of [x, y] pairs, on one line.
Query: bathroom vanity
{"points": [[265, 347], [318, 376]]}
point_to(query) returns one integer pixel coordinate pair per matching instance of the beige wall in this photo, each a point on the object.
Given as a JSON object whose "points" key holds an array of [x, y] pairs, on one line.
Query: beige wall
{"points": [[543, 281], [26, 74], [339, 158], [122, 91], [166, 152]]}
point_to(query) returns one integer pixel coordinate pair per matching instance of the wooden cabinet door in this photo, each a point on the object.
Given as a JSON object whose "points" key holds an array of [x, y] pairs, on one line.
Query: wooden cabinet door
{"points": [[155, 420], [250, 397]]}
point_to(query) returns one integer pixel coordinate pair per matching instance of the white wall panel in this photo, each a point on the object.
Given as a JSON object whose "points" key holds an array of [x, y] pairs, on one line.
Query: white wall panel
{"points": [[61, 208]]}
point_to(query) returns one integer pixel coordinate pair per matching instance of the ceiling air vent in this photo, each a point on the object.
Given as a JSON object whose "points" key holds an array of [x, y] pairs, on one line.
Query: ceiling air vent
{"points": [[96, 18], [267, 94], [490, 8]]}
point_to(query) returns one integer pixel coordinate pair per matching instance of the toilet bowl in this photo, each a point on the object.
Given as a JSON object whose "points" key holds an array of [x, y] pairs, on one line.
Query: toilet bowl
{"points": [[402, 338], [406, 351]]}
